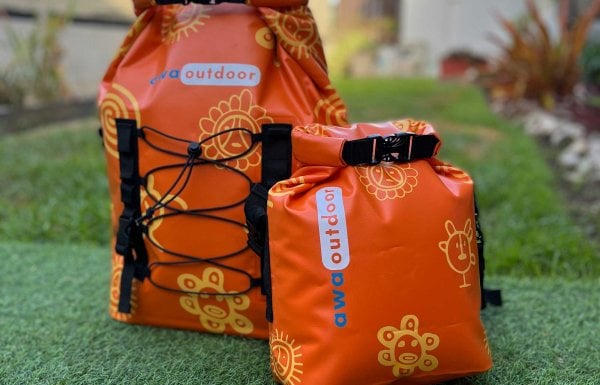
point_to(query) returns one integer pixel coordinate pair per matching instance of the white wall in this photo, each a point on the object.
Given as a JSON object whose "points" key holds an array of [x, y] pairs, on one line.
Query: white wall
{"points": [[442, 26]]}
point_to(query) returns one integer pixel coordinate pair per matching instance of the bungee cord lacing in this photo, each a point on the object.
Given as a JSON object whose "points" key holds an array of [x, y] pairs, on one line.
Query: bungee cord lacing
{"points": [[193, 160]]}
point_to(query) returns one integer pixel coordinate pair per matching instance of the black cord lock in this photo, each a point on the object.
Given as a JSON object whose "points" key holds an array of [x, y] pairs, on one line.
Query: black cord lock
{"points": [[194, 150]]}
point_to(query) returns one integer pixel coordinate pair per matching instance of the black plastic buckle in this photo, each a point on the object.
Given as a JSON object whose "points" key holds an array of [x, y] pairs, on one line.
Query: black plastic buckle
{"points": [[367, 150], [123, 238], [396, 148]]}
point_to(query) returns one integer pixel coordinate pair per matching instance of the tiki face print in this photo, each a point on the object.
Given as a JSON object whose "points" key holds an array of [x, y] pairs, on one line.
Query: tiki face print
{"points": [[459, 249]]}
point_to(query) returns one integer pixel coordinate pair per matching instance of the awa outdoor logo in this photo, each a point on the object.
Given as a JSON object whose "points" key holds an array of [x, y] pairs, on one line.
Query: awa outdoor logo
{"points": [[212, 74], [335, 254]]}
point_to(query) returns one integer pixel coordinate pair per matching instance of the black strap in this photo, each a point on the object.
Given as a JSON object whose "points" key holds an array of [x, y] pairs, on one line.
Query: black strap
{"points": [[255, 210], [258, 238], [493, 297], [401, 147], [129, 239], [276, 153], [276, 166]]}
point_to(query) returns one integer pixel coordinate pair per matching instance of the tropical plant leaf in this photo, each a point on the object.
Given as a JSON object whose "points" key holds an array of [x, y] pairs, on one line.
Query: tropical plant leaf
{"points": [[541, 68]]}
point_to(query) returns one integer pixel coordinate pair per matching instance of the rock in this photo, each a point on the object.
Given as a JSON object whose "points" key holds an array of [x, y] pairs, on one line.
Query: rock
{"points": [[593, 155], [566, 132], [573, 153], [540, 123]]}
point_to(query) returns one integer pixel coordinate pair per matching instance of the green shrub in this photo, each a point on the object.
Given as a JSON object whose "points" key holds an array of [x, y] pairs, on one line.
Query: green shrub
{"points": [[33, 73], [590, 63], [533, 65]]}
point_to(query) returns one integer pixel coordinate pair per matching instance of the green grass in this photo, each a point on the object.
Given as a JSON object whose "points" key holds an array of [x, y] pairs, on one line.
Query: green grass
{"points": [[54, 228], [526, 223], [54, 186], [56, 330]]}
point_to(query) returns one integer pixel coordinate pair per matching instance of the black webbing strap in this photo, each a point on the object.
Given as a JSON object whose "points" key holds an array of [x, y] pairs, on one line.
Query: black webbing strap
{"points": [[276, 153], [276, 166], [493, 297], [401, 147], [129, 239], [258, 238]]}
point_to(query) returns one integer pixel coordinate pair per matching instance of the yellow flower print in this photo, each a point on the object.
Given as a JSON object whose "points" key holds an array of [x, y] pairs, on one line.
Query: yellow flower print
{"points": [[216, 312], [387, 180], [181, 21], [238, 112], [406, 349]]}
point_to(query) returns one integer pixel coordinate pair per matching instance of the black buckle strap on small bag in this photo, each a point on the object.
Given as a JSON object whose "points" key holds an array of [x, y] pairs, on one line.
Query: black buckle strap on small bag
{"points": [[493, 297], [401, 147], [129, 239], [276, 166]]}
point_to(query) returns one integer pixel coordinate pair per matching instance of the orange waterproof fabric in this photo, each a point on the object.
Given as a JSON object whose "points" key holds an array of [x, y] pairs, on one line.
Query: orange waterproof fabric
{"points": [[192, 72], [374, 268], [141, 5]]}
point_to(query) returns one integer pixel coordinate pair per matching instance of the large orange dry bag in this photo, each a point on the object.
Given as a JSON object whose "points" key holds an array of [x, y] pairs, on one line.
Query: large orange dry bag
{"points": [[374, 265], [195, 98]]}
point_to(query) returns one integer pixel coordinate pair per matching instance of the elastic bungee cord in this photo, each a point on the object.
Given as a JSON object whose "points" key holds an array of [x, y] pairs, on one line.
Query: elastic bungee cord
{"points": [[193, 159]]}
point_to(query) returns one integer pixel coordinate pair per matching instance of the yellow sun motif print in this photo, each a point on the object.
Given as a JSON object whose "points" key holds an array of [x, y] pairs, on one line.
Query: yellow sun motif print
{"points": [[264, 37], [215, 312], [297, 32], [286, 187], [119, 102], [285, 358], [387, 180], [181, 21], [448, 170], [459, 249], [115, 290], [238, 112], [410, 125], [148, 202], [315, 129], [331, 109], [405, 349]]}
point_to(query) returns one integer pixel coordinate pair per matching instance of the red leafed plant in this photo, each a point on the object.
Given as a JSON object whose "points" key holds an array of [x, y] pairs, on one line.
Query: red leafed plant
{"points": [[535, 66]]}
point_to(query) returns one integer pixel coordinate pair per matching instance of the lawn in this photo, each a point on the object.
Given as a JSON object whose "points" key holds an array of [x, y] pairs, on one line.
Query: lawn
{"points": [[54, 233]]}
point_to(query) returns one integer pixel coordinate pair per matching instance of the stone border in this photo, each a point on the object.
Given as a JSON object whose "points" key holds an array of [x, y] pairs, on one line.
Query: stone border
{"points": [[578, 151], [14, 120]]}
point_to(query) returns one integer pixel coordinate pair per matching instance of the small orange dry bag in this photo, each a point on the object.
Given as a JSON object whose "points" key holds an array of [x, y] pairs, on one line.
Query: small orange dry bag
{"points": [[196, 97], [373, 259]]}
